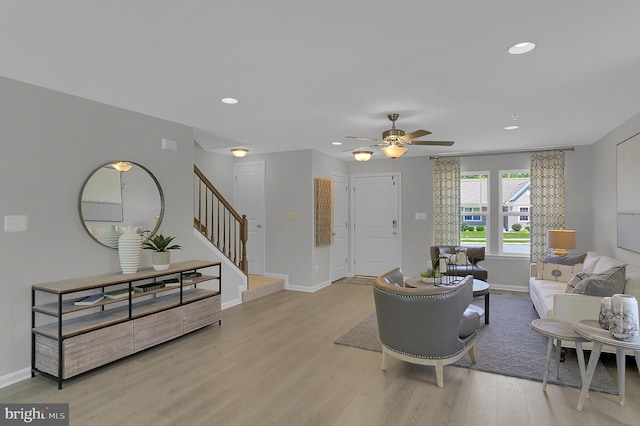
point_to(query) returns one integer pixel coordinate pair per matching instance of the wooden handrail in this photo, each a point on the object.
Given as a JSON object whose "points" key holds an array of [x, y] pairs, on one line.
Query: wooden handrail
{"points": [[219, 222]]}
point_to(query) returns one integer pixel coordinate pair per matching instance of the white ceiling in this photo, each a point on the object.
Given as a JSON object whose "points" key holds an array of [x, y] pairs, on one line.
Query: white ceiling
{"points": [[309, 74]]}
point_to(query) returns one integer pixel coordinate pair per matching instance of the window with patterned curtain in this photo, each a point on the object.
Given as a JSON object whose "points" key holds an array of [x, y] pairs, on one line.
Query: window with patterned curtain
{"points": [[547, 198], [446, 200]]}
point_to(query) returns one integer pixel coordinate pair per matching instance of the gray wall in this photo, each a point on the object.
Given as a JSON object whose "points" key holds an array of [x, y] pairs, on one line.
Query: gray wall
{"points": [[51, 142]]}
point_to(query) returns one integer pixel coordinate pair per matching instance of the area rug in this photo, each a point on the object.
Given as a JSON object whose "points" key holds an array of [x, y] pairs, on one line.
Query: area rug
{"points": [[358, 279], [507, 346]]}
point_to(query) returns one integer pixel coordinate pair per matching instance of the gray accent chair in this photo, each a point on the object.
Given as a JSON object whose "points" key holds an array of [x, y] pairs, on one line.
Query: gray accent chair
{"points": [[474, 254], [426, 326]]}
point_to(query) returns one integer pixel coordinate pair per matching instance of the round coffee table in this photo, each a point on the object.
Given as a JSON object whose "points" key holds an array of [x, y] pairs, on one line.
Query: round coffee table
{"points": [[560, 331], [591, 330], [480, 288]]}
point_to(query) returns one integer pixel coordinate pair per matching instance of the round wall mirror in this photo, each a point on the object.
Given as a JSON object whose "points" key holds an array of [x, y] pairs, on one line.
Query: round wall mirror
{"points": [[119, 195]]}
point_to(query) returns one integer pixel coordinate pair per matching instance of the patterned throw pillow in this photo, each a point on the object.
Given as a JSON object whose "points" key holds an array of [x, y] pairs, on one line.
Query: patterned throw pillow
{"points": [[556, 271], [575, 280], [605, 284]]}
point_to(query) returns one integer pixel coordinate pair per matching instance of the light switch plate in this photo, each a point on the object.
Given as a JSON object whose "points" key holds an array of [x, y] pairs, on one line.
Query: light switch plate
{"points": [[291, 217], [17, 223], [421, 216]]}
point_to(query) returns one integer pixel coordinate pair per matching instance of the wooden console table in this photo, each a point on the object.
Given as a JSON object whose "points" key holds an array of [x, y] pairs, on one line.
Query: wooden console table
{"points": [[137, 311]]}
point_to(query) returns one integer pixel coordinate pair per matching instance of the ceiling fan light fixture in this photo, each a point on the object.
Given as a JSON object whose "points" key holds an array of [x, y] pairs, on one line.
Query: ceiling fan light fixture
{"points": [[393, 150], [121, 166], [520, 48], [229, 101], [362, 155], [239, 152]]}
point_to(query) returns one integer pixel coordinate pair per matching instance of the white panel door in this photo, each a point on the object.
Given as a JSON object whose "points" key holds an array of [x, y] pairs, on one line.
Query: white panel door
{"points": [[376, 201], [340, 246], [249, 199]]}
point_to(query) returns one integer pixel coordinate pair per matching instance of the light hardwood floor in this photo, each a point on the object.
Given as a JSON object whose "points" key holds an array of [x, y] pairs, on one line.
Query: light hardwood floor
{"points": [[273, 362]]}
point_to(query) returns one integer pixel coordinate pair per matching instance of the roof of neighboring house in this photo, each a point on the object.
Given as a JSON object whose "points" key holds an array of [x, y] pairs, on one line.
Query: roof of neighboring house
{"points": [[474, 191]]}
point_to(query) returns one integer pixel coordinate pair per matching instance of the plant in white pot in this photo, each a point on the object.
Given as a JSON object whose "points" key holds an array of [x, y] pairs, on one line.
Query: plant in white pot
{"points": [[161, 257]]}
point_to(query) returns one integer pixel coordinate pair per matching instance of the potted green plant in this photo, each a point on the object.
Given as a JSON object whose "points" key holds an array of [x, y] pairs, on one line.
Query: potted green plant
{"points": [[161, 257], [431, 276]]}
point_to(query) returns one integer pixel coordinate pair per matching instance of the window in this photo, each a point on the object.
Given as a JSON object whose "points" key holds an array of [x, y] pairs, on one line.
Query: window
{"points": [[510, 232], [515, 197], [474, 206]]}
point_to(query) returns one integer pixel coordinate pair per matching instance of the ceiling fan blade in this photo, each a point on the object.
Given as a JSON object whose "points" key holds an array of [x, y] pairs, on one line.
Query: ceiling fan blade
{"points": [[415, 135], [436, 143], [364, 139]]}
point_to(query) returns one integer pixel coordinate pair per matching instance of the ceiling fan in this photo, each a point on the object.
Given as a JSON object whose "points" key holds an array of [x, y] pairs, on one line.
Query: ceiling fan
{"points": [[393, 140]]}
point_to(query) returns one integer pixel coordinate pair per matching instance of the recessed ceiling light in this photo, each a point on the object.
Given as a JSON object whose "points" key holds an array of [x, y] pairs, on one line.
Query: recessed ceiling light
{"points": [[512, 127], [520, 48], [336, 143], [229, 101]]}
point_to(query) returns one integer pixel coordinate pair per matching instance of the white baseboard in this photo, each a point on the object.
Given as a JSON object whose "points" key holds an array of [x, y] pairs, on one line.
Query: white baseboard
{"points": [[15, 377], [309, 289]]}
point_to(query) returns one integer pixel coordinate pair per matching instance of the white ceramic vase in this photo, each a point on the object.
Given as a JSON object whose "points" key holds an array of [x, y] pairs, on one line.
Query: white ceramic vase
{"points": [[605, 313], [129, 247], [624, 324]]}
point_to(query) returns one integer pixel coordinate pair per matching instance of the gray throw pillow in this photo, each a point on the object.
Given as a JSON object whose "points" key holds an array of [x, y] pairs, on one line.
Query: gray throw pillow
{"points": [[570, 259], [605, 284]]}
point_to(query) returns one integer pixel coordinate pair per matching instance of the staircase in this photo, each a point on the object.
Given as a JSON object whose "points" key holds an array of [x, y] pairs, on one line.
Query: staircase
{"points": [[260, 286], [226, 229]]}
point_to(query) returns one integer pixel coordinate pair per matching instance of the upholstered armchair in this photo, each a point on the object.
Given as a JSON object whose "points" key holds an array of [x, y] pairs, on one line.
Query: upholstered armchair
{"points": [[471, 267], [428, 325]]}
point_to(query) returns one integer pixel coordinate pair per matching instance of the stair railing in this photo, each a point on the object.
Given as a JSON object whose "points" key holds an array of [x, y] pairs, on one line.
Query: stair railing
{"points": [[219, 222]]}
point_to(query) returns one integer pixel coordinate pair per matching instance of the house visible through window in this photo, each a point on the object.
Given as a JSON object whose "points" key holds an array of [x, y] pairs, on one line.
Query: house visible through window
{"points": [[511, 216]]}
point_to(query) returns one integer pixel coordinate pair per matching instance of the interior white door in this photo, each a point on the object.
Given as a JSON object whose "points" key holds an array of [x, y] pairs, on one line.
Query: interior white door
{"points": [[340, 246], [376, 204], [249, 199]]}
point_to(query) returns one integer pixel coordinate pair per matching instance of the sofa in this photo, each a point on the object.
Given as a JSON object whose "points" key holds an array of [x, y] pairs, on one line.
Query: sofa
{"points": [[471, 267], [570, 288]]}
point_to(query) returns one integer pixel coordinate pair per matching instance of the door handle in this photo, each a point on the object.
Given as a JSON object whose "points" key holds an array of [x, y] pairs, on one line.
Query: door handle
{"points": [[258, 226], [395, 224]]}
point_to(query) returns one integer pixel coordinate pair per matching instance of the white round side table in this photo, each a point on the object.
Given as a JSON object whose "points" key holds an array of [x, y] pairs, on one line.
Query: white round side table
{"points": [[590, 329]]}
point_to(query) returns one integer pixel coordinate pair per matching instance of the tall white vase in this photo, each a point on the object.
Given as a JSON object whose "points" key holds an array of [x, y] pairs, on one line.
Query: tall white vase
{"points": [[129, 247], [624, 324]]}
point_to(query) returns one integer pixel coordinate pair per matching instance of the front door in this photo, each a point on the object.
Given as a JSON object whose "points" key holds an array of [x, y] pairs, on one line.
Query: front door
{"points": [[376, 206]]}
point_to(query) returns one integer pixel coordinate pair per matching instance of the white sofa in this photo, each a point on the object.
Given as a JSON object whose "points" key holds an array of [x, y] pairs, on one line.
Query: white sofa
{"points": [[550, 299]]}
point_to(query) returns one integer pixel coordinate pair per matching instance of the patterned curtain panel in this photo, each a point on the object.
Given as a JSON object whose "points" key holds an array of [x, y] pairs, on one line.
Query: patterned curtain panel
{"points": [[547, 198], [446, 200]]}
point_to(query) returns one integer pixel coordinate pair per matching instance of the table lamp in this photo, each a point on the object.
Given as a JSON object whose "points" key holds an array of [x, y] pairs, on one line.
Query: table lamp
{"points": [[560, 240]]}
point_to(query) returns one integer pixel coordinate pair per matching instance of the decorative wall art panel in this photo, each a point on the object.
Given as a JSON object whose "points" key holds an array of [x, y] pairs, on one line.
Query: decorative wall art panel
{"points": [[324, 211]]}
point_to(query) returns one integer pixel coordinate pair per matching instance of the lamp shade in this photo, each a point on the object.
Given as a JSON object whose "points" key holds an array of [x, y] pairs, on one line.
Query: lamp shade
{"points": [[362, 155], [394, 150], [560, 240]]}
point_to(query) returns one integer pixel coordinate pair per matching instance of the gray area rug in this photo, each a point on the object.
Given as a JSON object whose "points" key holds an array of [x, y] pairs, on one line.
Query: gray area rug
{"points": [[507, 346]]}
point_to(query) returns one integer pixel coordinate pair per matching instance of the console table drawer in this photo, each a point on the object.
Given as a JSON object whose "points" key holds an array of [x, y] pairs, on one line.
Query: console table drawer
{"points": [[201, 313], [157, 328]]}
